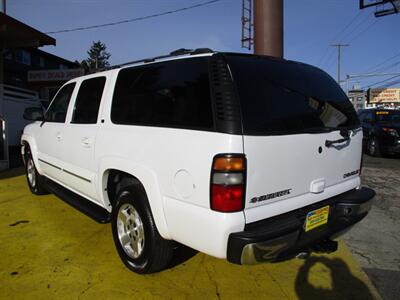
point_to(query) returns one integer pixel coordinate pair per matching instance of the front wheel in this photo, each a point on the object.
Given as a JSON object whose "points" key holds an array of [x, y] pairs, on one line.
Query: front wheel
{"points": [[139, 245], [374, 148], [35, 180]]}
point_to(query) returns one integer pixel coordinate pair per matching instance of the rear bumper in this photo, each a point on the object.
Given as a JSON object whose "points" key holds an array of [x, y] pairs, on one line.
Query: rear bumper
{"points": [[283, 237]]}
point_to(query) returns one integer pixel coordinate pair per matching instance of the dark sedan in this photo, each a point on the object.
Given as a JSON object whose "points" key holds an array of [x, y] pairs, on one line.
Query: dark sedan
{"points": [[381, 128]]}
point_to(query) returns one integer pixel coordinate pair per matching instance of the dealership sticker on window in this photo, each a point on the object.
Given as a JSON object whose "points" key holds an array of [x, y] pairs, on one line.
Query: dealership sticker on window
{"points": [[316, 218]]}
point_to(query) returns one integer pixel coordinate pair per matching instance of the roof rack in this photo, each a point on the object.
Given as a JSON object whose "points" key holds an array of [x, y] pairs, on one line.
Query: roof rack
{"points": [[178, 52]]}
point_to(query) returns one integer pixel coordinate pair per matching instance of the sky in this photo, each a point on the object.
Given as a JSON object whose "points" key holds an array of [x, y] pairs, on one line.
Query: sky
{"points": [[310, 26]]}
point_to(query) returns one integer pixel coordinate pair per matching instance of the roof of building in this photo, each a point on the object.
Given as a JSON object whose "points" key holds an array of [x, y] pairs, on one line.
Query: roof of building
{"points": [[57, 58], [15, 34]]}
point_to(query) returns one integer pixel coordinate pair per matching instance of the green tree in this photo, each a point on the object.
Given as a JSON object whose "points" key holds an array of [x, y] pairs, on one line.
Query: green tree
{"points": [[98, 56]]}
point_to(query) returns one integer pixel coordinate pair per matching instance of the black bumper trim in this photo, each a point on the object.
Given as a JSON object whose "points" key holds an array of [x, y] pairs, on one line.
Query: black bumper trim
{"points": [[283, 237]]}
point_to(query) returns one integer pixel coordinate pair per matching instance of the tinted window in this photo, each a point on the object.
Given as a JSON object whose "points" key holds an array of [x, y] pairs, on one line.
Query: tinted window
{"points": [[172, 94], [59, 106], [88, 101], [279, 97]]}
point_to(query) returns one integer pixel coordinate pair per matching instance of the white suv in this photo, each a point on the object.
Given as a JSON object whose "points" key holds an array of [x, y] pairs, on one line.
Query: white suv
{"points": [[243, 157]]}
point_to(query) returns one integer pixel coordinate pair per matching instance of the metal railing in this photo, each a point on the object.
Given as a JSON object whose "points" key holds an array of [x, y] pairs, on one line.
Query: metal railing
{"points": [[19, 94]]}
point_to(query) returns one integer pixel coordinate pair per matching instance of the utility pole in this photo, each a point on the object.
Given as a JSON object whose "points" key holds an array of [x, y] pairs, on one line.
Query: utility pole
{"points": [[268, 27], [339, 46]]}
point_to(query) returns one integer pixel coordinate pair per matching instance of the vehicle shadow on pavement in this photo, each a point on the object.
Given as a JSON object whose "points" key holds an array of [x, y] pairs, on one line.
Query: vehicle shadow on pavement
{"points": [[343, 284], [181, 254], [12, 173]]}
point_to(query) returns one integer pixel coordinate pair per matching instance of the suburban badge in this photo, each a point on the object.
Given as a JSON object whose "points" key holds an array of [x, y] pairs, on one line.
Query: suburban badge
{"points": [[270, 196]]}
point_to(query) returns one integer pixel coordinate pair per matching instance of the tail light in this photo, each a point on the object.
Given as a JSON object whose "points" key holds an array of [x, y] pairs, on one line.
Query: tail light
{"points": [[228, 181], [391, 131]]}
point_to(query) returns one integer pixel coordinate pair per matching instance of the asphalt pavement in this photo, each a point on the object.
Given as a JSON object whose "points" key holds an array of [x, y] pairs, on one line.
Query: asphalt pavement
{"points": [[51, 251], [375, 241]]}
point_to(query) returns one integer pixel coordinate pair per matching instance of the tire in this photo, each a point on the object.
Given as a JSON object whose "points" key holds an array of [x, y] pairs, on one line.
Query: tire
{"points": [[374, 148], [36, 182], [139, 245]]}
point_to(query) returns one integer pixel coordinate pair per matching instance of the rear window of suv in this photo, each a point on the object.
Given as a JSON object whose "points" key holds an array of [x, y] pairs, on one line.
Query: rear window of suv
{"points": [[281, 97]]}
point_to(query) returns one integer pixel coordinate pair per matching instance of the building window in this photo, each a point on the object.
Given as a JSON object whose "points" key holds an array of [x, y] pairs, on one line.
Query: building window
{"points": [[62, 67], [360, 98], [41, 62], [23, 57], [351, 99]]}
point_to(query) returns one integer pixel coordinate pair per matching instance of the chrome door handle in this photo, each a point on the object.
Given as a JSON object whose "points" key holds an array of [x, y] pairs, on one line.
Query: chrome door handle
{"points": [[85, 142]]}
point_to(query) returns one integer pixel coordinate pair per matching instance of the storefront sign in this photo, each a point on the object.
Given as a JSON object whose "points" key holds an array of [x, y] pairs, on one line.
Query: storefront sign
{"points": [[54, 75], [385, 95]]}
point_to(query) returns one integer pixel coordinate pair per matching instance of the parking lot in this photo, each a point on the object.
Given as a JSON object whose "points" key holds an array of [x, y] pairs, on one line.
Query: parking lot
{"points": [[50, 250], [375, 242]]}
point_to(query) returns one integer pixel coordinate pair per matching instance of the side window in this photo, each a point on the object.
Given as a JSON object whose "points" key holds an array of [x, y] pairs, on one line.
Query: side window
{"points": [[88, 101], [58, 109], [173, 94]]}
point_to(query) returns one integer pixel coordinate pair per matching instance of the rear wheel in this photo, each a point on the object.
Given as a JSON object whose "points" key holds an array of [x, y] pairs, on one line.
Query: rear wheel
{"points": [[374, 147], [139, 245], [35, 180]]}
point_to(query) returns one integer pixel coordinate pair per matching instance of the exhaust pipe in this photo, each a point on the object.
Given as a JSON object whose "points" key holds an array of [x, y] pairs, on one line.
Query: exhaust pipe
{"points": [[327, 246]]}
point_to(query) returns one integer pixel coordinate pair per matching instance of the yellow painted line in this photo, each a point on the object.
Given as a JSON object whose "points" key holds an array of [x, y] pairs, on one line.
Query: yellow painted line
{"points": [[58, 253]]}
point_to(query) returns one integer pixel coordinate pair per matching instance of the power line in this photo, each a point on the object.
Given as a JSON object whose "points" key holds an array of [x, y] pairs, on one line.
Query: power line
{"points": [[322, 58], [391, 83], [350, 34], [379, 82], [134, 19], [388, 67], [355, 28], [347, 26], [382, 63], [363, 31]]}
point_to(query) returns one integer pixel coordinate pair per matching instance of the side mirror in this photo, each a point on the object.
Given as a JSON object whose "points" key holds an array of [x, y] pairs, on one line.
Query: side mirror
{"points": [[33, 114]]}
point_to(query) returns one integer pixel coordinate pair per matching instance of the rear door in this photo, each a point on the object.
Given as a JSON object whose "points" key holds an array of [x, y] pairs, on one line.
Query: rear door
{"points": [[301, 135]]}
